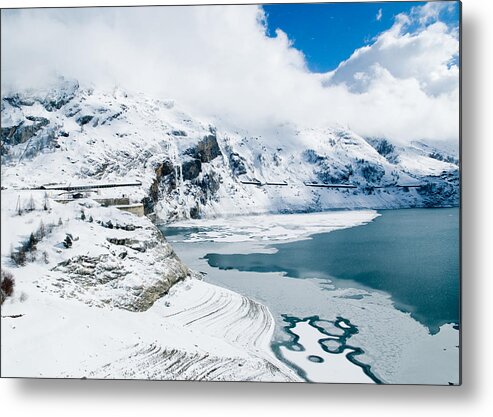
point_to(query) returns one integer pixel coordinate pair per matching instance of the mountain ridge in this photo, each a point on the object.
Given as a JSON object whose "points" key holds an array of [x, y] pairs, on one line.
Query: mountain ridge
{"points": [[191, 168]]}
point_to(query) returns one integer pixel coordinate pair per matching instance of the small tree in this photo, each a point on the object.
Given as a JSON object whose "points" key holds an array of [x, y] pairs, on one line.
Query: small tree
{"points": [[91, 219], [41, 232], [32, 256], [6, 285], [18, 256], [30, 205], [44, 257], [21, 257], [31, 243], [49, 228], [46, 204], [82, 215], [18, 207], [60, 221]]}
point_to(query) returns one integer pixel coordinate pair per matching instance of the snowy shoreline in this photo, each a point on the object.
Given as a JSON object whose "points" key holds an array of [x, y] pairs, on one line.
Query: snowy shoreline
{"points": [[122, 318]]}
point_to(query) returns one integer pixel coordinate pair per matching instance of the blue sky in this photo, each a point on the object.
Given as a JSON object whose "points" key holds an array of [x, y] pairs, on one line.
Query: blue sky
{"points": [[329, 33]]}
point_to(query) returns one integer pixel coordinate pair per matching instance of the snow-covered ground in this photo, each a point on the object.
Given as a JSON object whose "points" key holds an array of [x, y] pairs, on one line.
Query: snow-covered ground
{"points": [[142, 315]]}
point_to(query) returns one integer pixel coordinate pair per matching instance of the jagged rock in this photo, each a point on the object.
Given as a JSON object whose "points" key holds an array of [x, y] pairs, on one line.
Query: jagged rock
{"points": [[209, 185], [149, 202], [195, 212], [179, 133], [23, 132], [83, 120], [165, 168], [191, 169], [165, 174], [206, 150], [18, 100], [441, 191], [129, 243], [237, 164], [444, 158], [56, 98]]}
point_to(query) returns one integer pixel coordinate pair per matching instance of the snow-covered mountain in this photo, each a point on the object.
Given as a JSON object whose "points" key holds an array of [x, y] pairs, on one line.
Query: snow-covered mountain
{"points": [[191, 167]]}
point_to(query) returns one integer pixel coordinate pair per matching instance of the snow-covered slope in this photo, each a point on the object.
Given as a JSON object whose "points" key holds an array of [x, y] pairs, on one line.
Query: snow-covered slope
{"points": [[117, 302], [190, 167]]}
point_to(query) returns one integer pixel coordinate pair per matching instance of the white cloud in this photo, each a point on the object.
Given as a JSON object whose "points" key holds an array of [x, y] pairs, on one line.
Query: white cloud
{"points": [[430, 11], [218, 60], [425, 55], [379, 15]]}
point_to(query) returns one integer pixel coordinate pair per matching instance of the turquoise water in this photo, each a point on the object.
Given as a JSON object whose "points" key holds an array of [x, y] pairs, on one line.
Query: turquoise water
{"points": [[412, 254]]}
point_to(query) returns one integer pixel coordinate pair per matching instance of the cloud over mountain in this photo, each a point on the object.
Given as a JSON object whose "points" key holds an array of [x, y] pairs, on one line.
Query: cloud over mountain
{"points": [[219, 62]]}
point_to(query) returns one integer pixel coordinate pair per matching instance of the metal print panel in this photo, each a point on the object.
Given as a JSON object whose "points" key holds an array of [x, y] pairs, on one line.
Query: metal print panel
{"points": [[232, 193]]}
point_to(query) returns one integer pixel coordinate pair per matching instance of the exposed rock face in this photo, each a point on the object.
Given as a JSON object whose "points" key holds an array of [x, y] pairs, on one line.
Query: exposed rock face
{"points": [[333, 172], [57, 98], [206, 150], [151, 263], [205, 184], [441, 191], [83, 120], [237, 164], [179, 133], [191, 169], [195, 212], [21, 133], [312, 157], [51, 99], [165, 174], [24, 131], [209, 184]]}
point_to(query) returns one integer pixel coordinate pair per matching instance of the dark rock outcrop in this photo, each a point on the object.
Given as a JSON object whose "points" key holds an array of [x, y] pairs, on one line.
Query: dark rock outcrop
{"points": [[195, 212], [237, 164], [371, 172], [21, 133], [442, 190], [165, 173], [208, 187], [31, 127], [191, 169], [83, 120], [206, 150]]}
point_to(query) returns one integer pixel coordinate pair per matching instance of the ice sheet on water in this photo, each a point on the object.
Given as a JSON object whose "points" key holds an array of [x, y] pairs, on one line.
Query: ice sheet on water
{"points": [[273, 227]]}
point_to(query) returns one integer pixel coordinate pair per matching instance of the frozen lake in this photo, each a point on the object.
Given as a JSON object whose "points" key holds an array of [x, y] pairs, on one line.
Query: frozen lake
{"points": [[376, 302]]}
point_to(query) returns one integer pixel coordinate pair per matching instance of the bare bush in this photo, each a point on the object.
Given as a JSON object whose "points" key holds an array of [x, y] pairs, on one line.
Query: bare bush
{"points": [[7, 285]]}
